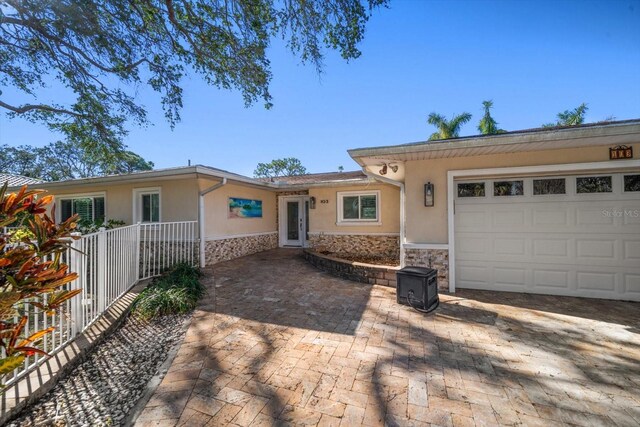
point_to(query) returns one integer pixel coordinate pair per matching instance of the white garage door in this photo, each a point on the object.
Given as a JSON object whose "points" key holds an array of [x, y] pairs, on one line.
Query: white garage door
{"points": [[565, 235]]}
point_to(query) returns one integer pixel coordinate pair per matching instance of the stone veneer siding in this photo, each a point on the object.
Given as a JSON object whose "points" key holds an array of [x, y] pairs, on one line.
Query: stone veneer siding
{"points": [[356, 271], [235, 247], [356, 244], [432, 258]]}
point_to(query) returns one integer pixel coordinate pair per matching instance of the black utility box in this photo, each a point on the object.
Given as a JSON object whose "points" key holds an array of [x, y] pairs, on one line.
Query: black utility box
{"points": [[422, 281]]}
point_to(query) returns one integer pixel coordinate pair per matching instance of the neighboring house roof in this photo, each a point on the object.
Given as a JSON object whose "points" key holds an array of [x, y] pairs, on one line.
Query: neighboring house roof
{"points": [[294, 182], [184, 171], [317, 178], [18, 180], [592, 134]]}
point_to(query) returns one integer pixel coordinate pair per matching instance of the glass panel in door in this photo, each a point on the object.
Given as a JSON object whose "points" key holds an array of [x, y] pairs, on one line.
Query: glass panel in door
{"points": [[293, 218], [306, 221]]}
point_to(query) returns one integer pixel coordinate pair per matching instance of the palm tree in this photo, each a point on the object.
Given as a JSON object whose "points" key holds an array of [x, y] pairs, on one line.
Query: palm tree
{"points": [[488, 125], [573, 117], [447, 129]]}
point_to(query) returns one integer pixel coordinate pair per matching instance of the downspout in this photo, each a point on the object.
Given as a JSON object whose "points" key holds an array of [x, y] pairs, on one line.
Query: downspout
{"points": [[201, 217], [402, 208]]}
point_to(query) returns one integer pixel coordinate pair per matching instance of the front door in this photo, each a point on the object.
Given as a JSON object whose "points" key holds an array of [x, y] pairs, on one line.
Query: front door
{"points": [[293, 221]]}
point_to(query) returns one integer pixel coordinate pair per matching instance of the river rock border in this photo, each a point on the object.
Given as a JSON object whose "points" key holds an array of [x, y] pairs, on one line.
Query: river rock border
{"points": [[350, 270]]}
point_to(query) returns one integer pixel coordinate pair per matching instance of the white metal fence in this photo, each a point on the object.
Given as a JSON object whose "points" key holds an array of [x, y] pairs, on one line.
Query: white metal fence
{"points": [[108, 263]]}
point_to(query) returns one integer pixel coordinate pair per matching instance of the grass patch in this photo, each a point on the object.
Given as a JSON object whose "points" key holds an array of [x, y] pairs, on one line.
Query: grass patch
{"points": [[176, 291]]}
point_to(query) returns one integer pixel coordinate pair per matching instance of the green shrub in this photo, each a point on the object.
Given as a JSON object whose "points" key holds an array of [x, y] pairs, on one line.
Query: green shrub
{"points": [[20, 234], [177, 291], [86, 226]]}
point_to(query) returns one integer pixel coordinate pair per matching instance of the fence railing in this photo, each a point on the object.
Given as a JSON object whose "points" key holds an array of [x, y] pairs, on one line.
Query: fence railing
{"points": [[108, 264]]}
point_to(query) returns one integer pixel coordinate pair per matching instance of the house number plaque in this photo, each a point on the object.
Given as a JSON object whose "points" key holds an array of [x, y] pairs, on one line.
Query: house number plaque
{"points": [[620, 152]]}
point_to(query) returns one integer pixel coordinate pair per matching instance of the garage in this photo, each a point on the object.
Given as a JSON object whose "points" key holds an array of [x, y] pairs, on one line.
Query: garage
{"points": [[576, 234]]}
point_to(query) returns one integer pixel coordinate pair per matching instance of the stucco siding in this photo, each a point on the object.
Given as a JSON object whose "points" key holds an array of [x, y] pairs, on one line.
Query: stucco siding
{"points": [[217, 221], [429, 224], [323, 219], [179, 198]]}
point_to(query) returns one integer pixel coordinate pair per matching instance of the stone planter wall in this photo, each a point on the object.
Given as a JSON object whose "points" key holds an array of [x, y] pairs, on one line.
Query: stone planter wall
{"points": [[235, 247], [356, 271], [432, 258], [356, 244]]}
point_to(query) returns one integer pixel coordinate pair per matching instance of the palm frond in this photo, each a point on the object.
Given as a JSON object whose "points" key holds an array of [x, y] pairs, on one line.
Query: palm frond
{"points": [[435, 119], [435, 136], [487, 106], [456, 123]]}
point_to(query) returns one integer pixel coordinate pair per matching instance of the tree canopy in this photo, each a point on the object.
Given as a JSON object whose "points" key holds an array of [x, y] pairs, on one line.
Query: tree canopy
{"points": [[487, 124], [64, 160], [570, 117], [447, 129], [280, 167], [103, 51]]}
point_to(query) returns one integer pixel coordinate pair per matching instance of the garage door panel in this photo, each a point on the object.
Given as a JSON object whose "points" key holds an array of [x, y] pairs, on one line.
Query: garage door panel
{"points": [[473, 274], [631, 216], [578, 245], [593, 216], [596, 281], [510, 277], [472, 220], [557, 279], [600, 248], [506, 219], [546, 217], [632, 285], [631, 251], [551, 247], [511, 246], [473, 245]]}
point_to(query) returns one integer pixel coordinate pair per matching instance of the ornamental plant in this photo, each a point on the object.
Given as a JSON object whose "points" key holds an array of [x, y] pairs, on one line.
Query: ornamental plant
{"points": [[32, 274], [176, 291]]}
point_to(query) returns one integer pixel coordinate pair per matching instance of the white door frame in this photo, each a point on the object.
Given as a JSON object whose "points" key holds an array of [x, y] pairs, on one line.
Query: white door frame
{"points": [[282, 219], [611, 165]]}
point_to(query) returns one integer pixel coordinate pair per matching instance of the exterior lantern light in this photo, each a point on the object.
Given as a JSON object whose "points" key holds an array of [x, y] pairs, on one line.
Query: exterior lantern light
{"points": [[312, 202], [428, 194]]}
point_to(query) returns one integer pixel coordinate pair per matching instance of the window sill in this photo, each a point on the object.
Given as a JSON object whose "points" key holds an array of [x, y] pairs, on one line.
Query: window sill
{"points": [[357, 223]]}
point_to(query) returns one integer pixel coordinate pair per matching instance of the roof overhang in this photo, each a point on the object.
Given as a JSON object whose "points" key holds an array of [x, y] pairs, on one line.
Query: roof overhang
{"points": [[616, 133], [340, 183], [193, 172], [197, 171]]}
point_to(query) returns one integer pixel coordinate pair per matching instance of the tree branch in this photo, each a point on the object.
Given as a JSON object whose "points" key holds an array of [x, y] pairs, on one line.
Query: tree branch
{"points": [[43, 32], [40, 107]]}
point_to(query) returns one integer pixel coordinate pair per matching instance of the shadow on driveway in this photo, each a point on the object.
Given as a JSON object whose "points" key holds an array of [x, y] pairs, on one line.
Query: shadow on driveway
{"points": [[279, 342]]}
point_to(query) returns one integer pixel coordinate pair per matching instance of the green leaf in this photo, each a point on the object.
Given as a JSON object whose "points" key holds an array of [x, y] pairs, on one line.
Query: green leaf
{"points": [[9, 364]]}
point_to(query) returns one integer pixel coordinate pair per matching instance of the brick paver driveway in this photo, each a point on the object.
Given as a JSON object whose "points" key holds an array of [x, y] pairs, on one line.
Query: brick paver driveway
{"points": [[278, 342]]}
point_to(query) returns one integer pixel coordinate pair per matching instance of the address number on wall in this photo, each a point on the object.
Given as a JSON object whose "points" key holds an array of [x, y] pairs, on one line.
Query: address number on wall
{"points": [[324, 201]]}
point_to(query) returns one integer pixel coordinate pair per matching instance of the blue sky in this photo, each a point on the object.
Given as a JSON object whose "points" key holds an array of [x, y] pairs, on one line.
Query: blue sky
{"points": [[532, 58]]}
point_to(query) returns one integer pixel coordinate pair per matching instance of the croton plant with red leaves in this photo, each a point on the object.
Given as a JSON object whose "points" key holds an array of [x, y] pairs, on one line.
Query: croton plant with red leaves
{"points": [[32, 274]]}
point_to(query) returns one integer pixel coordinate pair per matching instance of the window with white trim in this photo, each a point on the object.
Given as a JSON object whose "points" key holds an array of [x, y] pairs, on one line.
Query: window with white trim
{"points": [[146, 205], [359, 207], [90, 207]]}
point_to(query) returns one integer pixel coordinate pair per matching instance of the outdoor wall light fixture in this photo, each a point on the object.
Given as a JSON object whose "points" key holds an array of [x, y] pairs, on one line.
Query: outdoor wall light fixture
{"points": [[428, 194], [312, 202], [383, 171]]}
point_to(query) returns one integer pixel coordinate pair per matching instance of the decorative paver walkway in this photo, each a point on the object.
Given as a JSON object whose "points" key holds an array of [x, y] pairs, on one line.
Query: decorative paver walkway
{"points": [[277, 342]]}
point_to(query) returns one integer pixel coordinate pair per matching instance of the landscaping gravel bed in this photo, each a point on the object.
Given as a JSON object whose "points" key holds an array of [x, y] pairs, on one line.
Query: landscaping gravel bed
{"points": [[104, 388]]}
